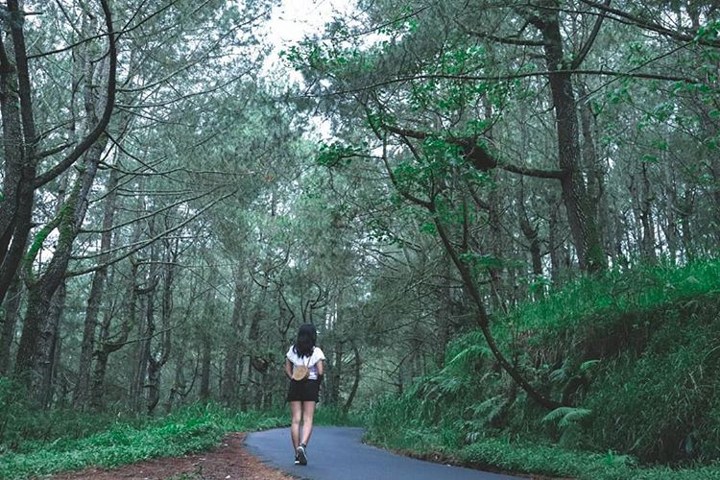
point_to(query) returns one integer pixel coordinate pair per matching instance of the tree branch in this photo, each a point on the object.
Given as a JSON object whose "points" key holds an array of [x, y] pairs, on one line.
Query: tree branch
{"points": [[503, 40], [533, 172], [92, 137], [654, 27], [590, 41], [508, 77]]}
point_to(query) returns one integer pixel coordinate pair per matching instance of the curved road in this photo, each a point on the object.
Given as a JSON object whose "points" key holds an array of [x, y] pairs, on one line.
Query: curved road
{"points": [[337, 453]]}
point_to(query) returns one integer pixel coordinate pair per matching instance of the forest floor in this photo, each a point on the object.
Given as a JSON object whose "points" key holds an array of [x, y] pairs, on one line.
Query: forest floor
{"points": [[228, 461]]}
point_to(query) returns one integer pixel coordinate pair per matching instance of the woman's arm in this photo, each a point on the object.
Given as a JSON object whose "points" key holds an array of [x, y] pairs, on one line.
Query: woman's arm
{"points": [[321, 368], [288, 368]]}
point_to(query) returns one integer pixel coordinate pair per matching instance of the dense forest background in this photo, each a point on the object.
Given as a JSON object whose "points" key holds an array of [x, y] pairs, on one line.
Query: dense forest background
{"points": [[175, 201]]}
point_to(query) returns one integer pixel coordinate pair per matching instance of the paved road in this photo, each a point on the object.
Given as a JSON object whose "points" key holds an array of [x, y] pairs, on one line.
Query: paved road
{"points": [[336, 453]]}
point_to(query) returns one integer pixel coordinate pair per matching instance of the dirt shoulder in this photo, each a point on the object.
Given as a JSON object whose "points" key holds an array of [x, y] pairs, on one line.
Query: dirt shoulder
{"points": [[227, 461]]}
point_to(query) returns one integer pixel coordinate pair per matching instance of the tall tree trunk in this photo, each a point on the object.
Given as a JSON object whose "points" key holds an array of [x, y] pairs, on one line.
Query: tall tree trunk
{"points": [[578, 205], [141, 357], [497, 240], [179, 388], [559, 262], [685, 207], [255, 377], [153, 367]]}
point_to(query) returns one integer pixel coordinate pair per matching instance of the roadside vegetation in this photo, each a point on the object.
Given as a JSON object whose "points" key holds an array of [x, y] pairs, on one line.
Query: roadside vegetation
{"points": [[36, 444], [632, 357]]}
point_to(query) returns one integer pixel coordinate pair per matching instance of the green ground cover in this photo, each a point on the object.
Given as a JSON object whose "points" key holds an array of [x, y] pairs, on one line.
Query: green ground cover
{"points": [[633, 357]]}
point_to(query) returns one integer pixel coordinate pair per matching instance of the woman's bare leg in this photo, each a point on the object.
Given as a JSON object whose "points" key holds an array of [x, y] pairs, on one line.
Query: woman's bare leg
{"points": [[308, 411], [296, 411]]}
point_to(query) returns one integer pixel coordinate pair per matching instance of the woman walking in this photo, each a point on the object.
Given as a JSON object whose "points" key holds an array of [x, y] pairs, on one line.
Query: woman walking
{"points": [[304, 367]]}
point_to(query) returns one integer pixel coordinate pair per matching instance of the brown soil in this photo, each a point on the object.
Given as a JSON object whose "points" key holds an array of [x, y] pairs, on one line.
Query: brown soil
{"points": [[228, 461]]}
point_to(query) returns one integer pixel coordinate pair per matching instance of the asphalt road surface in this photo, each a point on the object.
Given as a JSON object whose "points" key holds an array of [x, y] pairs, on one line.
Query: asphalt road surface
{"points": [[337, 453]]}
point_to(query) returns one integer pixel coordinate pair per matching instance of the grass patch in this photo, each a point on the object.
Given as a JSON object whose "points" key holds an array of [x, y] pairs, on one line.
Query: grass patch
{"points": [[190, 430], [555, 461]]}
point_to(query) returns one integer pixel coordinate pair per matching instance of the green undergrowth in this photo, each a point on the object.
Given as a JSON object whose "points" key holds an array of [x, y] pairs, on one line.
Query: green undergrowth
{"points": [[119, 442], [631, 356]]}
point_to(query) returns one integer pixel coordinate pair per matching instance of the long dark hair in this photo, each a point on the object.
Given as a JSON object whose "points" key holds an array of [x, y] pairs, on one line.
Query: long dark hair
{"points": [[306, 338]]}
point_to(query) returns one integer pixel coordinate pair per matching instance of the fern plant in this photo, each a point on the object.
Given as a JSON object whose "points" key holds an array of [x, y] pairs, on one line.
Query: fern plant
{"points": [[565, 417]]}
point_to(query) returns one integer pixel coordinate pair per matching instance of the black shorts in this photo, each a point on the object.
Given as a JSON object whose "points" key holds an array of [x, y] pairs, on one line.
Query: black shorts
{"points": [[304, 391]]}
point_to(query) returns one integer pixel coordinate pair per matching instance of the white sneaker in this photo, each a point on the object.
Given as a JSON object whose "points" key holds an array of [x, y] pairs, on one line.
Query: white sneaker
{"points": [[301, 455]]}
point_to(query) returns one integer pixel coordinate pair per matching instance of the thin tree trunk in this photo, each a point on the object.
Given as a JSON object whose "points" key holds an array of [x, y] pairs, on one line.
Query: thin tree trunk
{"points": [[82, 388], [496, 248], [356, 380], [153, 367], [229, 390], [141, 356], [205, 366], [648, 242], [107, 343], [685, 208], [335, 374], [530, 232], [559, 263], [253, 372], [178, 390], [49, 347], [10, 317], [158, 360]]}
